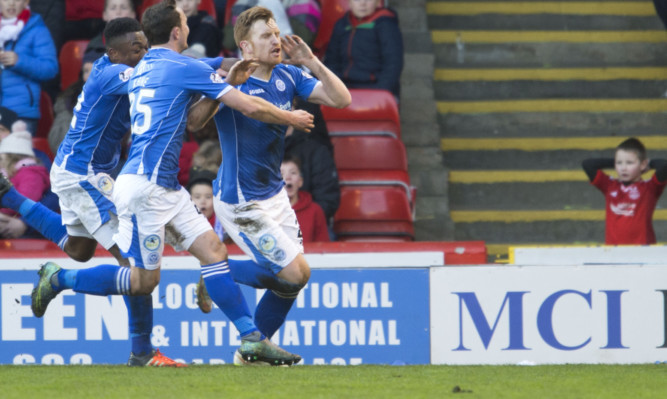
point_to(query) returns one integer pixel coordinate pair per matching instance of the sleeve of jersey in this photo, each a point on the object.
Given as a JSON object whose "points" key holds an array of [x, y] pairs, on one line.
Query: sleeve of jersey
{"points": [[200, 77], [212, 62], [601, 181], [115, 78], [305, 82]]}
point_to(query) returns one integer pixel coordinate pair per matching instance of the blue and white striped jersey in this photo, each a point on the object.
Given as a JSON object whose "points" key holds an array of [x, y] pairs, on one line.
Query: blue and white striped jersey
{"points": [[101, 119], [252, 151], [162, 87]]}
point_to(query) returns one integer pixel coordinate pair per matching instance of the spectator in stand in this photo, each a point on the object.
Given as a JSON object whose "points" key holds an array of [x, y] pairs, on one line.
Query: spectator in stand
{"points": [[7, 119], [208, 156], [83, 19], [630, 201], [27, 174], [200, 188], [366, 47], [112, 9], [205, 39], [276, 7], [317, 166], [310, 216], [64, 106], [27, 58], [53, 13]]}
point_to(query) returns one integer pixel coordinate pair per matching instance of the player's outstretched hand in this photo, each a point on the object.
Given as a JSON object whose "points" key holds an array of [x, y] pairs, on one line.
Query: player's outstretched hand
{"points": [[302, 120], [296, 49], [241, 71]]}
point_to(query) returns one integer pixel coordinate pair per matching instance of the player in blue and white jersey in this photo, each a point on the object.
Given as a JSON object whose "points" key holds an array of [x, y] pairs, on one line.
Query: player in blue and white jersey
{"points": [[152, 207], [81, 178], [250, 199]]}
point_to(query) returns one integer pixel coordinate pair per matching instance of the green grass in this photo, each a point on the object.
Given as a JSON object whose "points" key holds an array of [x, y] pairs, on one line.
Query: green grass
{"points": [[567, 381]]}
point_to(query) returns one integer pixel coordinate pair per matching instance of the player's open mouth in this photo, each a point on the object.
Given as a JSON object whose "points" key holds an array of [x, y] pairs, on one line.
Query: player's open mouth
{"points": [[288, 185], [276, 51]]}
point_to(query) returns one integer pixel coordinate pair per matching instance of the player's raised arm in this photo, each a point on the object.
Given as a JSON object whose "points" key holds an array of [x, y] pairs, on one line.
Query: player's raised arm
{"points": [[202, 111], [332, 92], [262, 110]]}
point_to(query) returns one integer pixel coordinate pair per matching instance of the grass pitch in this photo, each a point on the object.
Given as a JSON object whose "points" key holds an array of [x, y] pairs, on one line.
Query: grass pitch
{"points": [[367, 381]]}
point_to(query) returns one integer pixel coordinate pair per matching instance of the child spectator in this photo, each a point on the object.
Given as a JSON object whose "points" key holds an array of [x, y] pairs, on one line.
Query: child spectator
{"points": [[630, 201], [366, 47], [27, 57], [204, 32], [200, 188], [310, 216], [27, 174]]}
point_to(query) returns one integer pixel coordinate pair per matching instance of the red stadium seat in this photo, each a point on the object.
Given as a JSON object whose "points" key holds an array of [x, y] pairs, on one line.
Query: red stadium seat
{"points": [[209, 7], [70, 59], [46, 115], [373, 213], [42, 144], [373, 160], [369, 152], [372, 112]]}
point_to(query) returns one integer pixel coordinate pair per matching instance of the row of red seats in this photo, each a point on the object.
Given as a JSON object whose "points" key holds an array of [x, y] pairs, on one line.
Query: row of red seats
{"points": [[377, 199]]}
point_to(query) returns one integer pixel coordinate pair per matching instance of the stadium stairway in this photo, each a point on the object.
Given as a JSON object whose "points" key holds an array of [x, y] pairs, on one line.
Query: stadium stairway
{"points": [[525, 91]]}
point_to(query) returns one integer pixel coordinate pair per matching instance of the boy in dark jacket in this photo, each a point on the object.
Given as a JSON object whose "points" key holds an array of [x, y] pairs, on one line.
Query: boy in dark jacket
{"points": [[366, 47]]}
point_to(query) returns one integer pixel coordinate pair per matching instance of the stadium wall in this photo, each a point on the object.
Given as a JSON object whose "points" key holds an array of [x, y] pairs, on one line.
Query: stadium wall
{"points": [[365, 304]]}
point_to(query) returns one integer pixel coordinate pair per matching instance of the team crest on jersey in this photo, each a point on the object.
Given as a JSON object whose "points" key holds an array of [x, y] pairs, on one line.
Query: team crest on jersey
{"points": [[267, 242], [280, 85], [152, 242], [215, 78], [105, 185], [279, 255], [153, 258], [125, 75]]}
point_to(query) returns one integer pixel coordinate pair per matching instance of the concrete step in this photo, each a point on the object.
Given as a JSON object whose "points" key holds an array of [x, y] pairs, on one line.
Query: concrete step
{"points": [[515, 159], [551, 124], [512, 90], [588, 15], [557, 231], [549, 54]]}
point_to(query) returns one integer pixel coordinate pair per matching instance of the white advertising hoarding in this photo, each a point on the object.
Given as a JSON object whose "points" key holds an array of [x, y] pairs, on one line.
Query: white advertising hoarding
{"points": [[548, 315]]}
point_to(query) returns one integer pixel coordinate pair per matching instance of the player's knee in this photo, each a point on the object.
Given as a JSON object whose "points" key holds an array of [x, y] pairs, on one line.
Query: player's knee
{"points": [[79, 251], [143, 282], [285, 289]]}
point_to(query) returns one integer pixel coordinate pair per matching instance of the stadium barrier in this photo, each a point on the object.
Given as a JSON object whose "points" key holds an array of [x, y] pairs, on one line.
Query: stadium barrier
{"points": [[370, 303]]}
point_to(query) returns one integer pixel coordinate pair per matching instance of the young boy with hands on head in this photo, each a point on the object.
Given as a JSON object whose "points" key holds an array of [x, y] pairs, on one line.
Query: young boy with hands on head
{"points": [[630, 201]]}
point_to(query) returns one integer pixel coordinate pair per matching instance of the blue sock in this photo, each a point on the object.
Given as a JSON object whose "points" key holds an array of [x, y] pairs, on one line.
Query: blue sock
{"points": [[140, 312], [12, 199], [103, 280], [227, 295], [271, 312], [44, 220], [65, 279]]}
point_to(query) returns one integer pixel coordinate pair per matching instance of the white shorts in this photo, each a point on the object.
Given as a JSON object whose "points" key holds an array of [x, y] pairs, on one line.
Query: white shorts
{"points": [[86, 205], [149, 215], [265, 230]]}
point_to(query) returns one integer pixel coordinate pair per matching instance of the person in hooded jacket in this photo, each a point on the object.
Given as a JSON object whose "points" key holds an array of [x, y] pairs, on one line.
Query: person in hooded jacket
{"points": [[27, 58]]}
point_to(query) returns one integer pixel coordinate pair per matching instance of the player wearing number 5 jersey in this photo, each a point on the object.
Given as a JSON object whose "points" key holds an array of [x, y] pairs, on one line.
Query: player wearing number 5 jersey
{"points": [[152, 207], [81, 178]]}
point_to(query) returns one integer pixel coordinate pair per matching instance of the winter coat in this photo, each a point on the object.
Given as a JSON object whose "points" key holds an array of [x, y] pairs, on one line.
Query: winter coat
{"points": [[367, 53], [32, 181], [311, 219], [320, 177], [37, 62], [204, 30]]}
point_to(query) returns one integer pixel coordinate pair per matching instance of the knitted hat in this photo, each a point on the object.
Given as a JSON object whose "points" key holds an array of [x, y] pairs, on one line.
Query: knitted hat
{"points": [[17, 143], [7, 117]]}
